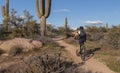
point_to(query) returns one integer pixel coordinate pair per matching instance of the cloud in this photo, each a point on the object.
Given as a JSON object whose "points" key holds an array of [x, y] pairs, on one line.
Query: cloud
{"points": [[48, 23], [74, 28], [94, 22], [62, 10], [23, 17]]}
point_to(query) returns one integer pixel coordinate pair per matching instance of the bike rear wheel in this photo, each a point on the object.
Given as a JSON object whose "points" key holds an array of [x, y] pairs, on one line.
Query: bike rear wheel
{"points": [[83, 52]]}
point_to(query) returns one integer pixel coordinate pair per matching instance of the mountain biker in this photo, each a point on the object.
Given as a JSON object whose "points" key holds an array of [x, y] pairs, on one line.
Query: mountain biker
{"points": [[80, 35]]}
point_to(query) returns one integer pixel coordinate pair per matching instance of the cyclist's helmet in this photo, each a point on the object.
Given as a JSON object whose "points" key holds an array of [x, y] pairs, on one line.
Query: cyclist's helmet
{"points": [[81, 28]]}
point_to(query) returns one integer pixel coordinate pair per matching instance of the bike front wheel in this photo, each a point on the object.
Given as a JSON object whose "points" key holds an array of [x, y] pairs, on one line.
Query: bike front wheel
{"points": [[83, 52]]}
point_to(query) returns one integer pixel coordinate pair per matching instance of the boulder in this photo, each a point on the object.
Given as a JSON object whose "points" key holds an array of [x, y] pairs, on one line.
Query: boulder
{"points": [[26, 44]]}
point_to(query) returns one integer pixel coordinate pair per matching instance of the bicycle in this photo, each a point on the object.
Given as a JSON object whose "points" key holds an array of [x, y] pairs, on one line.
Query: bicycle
{"points": [[82, 53]]}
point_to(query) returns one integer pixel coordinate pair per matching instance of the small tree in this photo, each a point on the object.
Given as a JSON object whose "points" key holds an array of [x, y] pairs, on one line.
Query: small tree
{"points": [[31, 24]]}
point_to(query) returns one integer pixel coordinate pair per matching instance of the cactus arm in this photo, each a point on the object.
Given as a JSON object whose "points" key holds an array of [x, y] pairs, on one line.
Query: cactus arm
{"points": [[37, 9], [47, 9], [3, 11], [7, 8], [42, 7]]}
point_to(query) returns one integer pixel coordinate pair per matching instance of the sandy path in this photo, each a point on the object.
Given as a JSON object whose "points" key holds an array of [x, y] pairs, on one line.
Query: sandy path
{"points": [[92, 64]]}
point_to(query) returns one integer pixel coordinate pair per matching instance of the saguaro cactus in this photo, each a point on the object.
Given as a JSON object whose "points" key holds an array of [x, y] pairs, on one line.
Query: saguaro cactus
{"points": [[106, 26], [5, 13], [42, 12], [66, 27]]}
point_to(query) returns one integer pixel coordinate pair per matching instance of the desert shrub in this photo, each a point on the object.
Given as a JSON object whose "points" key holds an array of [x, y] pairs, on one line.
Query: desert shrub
{"points": [[44, 63], [113, 37], [95, 29], [4, 34], [103, 29], [95, 33], [110, 37], [95, 36], [91, 29], [15, 50], [61, 30]]}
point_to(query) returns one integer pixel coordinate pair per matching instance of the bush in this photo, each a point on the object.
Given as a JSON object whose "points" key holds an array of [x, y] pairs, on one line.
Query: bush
{"points": [[113, 37], [96, 36], [44, 63], [95, 33], [15, 50]]}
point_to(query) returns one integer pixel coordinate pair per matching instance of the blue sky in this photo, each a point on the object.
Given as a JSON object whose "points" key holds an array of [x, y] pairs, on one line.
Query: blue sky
{"points": [[79, 12]]}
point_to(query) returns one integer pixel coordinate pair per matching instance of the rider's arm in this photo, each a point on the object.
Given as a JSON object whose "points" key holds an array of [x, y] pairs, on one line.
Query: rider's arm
{"points": [[75, 35]]}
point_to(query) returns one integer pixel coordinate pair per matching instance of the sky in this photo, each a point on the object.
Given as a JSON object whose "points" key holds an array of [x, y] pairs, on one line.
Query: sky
{"points": [[78, 12]]}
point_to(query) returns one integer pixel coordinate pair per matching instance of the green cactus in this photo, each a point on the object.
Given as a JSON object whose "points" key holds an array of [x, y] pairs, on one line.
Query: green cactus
{"points": [[42, 12], [5, 14], [66, 27], [106, 27]]}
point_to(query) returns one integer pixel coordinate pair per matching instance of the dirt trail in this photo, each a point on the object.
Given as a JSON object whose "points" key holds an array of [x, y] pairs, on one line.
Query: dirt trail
{"points": [[92, 64]]}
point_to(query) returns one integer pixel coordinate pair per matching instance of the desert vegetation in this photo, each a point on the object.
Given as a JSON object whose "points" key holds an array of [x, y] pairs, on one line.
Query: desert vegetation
{"points": [[19, 26]]}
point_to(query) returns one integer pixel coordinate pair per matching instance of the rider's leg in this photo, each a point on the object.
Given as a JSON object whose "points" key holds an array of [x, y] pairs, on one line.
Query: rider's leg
{"points": [[78, 50], [80, 44], [79, 47]]}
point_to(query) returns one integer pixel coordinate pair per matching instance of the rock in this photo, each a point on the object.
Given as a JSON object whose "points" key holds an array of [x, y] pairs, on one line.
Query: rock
{"points": [[36, 44], [26, 44], [118, 59], [5, 54]]}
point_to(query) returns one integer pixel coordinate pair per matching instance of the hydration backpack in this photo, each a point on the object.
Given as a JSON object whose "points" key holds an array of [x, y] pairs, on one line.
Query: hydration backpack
{"points": [[82, 36]]}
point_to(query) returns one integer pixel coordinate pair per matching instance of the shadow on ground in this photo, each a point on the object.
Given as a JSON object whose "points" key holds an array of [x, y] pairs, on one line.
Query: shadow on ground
{"points": [[90, 53]]}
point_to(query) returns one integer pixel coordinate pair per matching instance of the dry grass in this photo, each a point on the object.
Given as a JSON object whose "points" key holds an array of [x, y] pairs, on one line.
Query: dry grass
{"points": [[110, 57]]}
